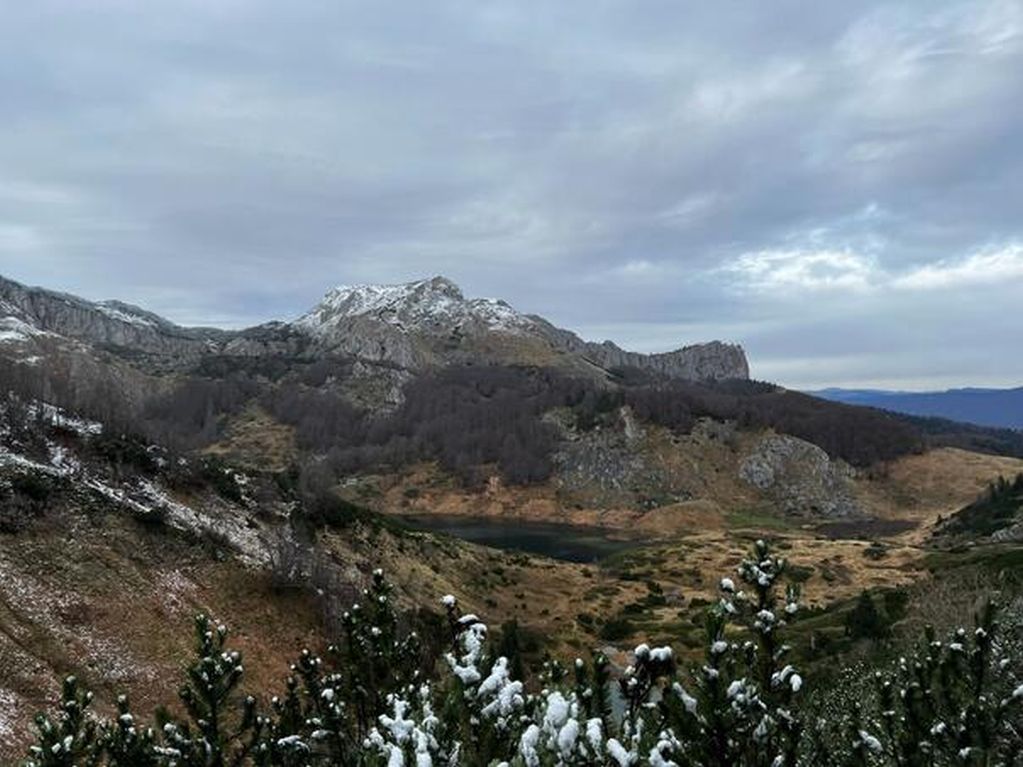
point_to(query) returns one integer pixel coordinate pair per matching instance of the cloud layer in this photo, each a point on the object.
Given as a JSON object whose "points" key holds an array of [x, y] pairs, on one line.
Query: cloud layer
{"points": [[836, 186]]}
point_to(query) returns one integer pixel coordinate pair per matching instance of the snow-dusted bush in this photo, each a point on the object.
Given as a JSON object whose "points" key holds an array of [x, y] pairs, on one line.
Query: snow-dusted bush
{"points": [[954, 702]]}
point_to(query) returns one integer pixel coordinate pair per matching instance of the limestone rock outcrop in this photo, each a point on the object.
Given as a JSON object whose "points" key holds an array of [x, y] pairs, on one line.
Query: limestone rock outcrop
{"points": [[800, 477]]}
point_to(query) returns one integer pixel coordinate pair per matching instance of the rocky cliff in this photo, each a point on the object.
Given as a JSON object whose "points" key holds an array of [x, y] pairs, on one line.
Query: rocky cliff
{"points": [[699, 362], [713, 361], [106, 323]]}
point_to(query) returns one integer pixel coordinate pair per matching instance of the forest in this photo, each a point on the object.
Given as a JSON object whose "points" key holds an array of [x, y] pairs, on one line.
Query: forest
{"points": [[471, 419]]}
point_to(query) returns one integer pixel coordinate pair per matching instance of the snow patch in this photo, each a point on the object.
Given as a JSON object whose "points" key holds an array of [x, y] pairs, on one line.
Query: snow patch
{"points": [[60, 419], [17, 331], [117, 312], [8, 714], [425, 305]]}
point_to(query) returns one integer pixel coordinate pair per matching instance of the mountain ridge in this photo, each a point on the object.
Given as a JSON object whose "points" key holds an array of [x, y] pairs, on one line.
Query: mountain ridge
{"points": [[977, 405], [412, 325]]}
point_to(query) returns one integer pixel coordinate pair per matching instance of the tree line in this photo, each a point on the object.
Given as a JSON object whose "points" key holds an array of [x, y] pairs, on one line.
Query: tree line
{"points": [[472, 419]]}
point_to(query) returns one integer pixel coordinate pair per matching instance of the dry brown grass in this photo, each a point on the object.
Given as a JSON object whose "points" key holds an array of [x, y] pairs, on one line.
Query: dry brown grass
{"points": [[100, 596], [701, 539], [920, 488], [255, 439]]}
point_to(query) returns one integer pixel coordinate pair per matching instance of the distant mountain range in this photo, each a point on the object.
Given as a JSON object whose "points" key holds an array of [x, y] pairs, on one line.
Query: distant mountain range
{"points": [[986, 407]]}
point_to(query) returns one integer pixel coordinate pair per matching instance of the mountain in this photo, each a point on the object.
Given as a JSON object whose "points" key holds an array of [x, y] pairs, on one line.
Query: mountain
{"points": [[986, 407], [408, 327], [430, 321]]}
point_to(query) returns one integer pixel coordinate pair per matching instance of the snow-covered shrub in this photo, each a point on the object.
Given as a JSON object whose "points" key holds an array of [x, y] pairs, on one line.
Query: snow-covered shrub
{"points": [[739, 707], [954, 702], [332, 706], [127, 743]]}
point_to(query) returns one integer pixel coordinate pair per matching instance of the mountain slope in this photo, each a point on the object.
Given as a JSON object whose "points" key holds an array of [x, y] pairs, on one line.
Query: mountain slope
{"points": [[102, 530], [116, 544], [986, 407]]}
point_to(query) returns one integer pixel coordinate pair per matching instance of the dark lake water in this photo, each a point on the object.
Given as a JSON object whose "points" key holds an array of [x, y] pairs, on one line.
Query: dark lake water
{"points": [[568, 542]]}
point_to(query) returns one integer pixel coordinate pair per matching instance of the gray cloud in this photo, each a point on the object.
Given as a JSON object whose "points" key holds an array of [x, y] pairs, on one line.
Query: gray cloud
{"points": [[835, 185]]}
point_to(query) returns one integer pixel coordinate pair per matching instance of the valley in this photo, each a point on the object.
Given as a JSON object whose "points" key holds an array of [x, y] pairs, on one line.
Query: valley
{"points": [[578, 497], [495, 384]]}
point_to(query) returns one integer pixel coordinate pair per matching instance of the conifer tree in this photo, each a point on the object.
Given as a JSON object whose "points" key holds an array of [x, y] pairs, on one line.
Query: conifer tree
{"points": [[72, 738], [214, 736], [126, 744]]}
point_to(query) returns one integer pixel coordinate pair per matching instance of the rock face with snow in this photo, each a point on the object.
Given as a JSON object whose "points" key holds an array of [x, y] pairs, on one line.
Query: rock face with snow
{"points": [[434, 306], [429, 321], [34, 311], [415, 325], [800, 477]]}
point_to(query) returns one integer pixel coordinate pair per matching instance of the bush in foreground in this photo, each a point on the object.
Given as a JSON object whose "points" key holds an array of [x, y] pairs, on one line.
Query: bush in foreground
{"points": [[373, 702]]}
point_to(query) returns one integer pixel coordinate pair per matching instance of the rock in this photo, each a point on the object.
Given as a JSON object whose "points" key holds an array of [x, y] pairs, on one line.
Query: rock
{"points": [[700, 362], [712, 361], [430, 321], [1011, 534], [631, 427], [800, 477]]}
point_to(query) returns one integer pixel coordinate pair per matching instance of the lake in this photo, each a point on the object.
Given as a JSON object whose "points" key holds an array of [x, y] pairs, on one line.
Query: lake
{"points": [[567, 542]]}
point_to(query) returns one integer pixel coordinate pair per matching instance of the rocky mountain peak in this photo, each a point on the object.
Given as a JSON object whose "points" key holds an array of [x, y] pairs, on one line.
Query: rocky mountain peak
{"points": [[434, 305], [354, 300]]}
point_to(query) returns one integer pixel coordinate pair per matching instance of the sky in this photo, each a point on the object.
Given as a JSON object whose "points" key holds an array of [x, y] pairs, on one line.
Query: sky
{"points": [[837, 186]]}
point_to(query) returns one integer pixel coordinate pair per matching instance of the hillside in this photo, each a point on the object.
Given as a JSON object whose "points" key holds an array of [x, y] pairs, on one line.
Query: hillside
{"points": [[995, 516], [110, 546]]}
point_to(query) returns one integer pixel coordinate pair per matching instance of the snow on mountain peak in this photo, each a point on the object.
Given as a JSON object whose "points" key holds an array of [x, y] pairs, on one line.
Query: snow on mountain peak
{"points": [[436, 304]]}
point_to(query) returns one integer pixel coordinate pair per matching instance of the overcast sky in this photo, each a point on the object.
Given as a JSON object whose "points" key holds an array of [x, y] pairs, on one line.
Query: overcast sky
{"points": [[838, 186]]}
